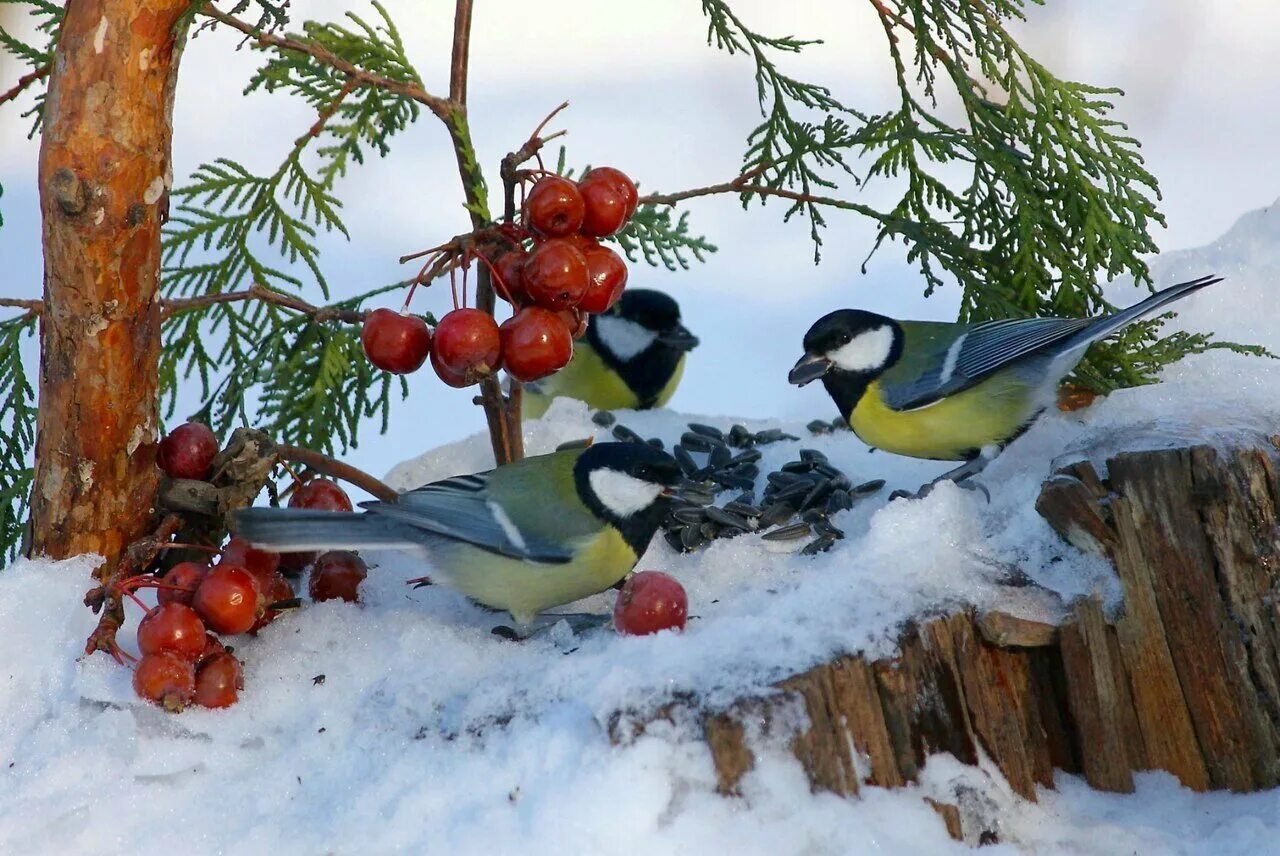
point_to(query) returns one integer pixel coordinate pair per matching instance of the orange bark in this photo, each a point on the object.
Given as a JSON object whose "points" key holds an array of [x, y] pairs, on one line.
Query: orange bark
{"points": [[104, 177]]}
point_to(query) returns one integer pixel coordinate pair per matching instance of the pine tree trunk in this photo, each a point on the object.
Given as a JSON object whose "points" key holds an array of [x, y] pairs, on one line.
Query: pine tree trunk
{"points": [[104, 175]]}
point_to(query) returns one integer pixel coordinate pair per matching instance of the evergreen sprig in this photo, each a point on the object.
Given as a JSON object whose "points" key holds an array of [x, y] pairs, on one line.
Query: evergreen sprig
{"points": [[17, 435], [305, 382], [652, 234]]}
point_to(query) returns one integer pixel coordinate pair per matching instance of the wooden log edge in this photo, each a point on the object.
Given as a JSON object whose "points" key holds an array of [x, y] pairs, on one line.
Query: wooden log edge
{"points": [[1186, 678]]}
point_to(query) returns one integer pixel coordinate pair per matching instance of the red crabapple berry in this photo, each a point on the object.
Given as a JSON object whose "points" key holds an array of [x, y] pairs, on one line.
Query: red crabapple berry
{"points": [[554, 207], [468, 347], [606, 279], [555, 274], [261, 563], [605, 209], [337, 575], [228, 599], [166, 679], [510, 270], [575, 321], [174, 628], [535, 343], [275, 589], [321, 495], [180, 582], [650, 601], [623, 185], [187, 452], [219, 681], [395, 342]]}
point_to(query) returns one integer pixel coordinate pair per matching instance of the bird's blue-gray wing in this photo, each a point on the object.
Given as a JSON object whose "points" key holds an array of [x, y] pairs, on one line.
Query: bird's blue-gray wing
{"points": [[463, 509], [974, 355]]}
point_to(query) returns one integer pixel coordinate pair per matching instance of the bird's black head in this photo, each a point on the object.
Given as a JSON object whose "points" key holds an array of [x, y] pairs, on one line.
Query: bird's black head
{"points": [[642, 339], [628, 485], [848, 349]]}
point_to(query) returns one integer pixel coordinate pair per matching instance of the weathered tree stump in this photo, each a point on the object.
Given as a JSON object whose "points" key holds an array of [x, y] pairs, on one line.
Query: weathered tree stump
{"points": [[1185, 679]]}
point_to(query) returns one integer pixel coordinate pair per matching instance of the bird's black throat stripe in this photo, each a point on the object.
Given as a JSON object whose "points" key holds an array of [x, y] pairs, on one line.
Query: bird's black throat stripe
{"points": [[846, 389], [646, 374]]}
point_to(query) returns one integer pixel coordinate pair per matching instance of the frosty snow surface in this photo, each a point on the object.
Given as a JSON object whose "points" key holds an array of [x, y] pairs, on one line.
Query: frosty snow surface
{"points": [[429, 734]]}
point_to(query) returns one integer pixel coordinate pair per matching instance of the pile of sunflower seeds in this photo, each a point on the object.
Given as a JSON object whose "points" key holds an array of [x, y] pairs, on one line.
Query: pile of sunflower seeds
{"points": [[810, 488]]}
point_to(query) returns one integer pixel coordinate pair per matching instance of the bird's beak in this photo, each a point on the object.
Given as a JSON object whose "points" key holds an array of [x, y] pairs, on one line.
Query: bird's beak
{"points": [[808, 368], [679, 338]]}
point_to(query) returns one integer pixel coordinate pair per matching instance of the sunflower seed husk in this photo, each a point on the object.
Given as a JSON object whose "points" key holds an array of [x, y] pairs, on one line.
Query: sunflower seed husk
{"points": [[826, 528], [820, 545], [696, 442], [625, 434], [818, 426], [694, 515], [868, 487], [739, 436], [684, 459], [727, 518], [707, 431], [776, 514], [773, 435], [788, 533], [745, 509], [840, 500], [603, 418], [841, 482], [720, 457]]}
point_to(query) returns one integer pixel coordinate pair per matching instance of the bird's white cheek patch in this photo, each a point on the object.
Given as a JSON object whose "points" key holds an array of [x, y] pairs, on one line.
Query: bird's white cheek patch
{"points": [[622, 494], [866, 351], [624, 339]]}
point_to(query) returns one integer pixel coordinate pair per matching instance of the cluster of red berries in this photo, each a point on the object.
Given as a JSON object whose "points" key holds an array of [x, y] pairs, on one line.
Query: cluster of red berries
{"points": [[554, 272], [183, 661]]}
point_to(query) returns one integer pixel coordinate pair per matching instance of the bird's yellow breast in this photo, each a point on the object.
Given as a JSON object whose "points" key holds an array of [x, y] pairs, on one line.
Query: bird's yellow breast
{"points": [[527, 588], [588, 378], [989, 413]]}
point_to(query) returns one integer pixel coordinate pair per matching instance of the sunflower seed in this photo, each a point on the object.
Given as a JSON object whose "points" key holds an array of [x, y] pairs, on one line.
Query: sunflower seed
{"points": [[707, 431], [720, 456], [656, 443], [625, 434], [745, 509], [826, 528], [750, 456], [691, 537], [736, 481], [797, 467], [709, 530], [684, 459], [673, 538], [781, 479], [826, 470], [812, 455], [788, 533], [818, 426], [696, 494], [840, 500], [841, 482], [747, 497], [793, 492], [696, 442], [868, 487], [739, 436], [776, 514], [574, 444], [813, 515], [603, 418], [820, 545], [746, 471], [727, 518], [819, 493], [773, 435], [694, 515]]}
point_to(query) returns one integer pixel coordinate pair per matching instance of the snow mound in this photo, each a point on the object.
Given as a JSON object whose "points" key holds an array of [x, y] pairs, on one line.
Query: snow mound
{"points": [[428, 733]]}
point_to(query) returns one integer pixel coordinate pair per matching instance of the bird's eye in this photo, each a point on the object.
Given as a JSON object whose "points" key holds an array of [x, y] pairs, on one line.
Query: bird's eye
{"points": [[643, 471]]}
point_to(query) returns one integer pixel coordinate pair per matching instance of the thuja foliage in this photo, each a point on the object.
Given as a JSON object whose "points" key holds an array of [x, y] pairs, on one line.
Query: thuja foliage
{"points": [[1054, 199]]}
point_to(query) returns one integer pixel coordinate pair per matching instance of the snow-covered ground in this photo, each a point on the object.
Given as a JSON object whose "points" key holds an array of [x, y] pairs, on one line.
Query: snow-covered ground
{"points": [[428, 734]]}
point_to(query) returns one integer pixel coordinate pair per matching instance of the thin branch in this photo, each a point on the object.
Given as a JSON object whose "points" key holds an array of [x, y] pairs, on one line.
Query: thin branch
{"points": [[740, 185], [461, 52], [25, 81], [176, 305], [323, 117], [439, 106], [333, 468], [33, 307]]}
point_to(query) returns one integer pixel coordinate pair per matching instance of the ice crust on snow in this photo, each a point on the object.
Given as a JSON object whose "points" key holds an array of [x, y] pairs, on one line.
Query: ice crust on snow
{"points": [[428, 733]]}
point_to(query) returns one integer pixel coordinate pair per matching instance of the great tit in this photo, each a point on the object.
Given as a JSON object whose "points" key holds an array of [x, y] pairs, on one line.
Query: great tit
{"points": [[632, 357], [953, 392], [523, 537]]}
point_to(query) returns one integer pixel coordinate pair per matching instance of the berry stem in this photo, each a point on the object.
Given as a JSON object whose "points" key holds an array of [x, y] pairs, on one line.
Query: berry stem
{"points": [[328, 466]]}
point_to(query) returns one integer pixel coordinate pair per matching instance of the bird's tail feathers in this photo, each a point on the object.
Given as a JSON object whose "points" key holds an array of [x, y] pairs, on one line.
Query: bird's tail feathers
{"points": [[1114, 323], [290, 530]]}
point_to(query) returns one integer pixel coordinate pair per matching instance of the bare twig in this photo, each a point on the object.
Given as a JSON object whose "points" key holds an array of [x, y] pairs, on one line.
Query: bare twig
{"points": [[25, 81], [33, 307], [742, 184], [333, 468], [439, 106], [461, 52], [178, 305]]}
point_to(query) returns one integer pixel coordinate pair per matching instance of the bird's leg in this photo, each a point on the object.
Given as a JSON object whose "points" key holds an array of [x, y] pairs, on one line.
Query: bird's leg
{"points": [[959, 476], [579, 622]]}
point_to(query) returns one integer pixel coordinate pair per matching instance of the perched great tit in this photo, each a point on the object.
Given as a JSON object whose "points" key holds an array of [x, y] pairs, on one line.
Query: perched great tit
{"points": [[632, 357], [523, 537], [953, 392]]}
